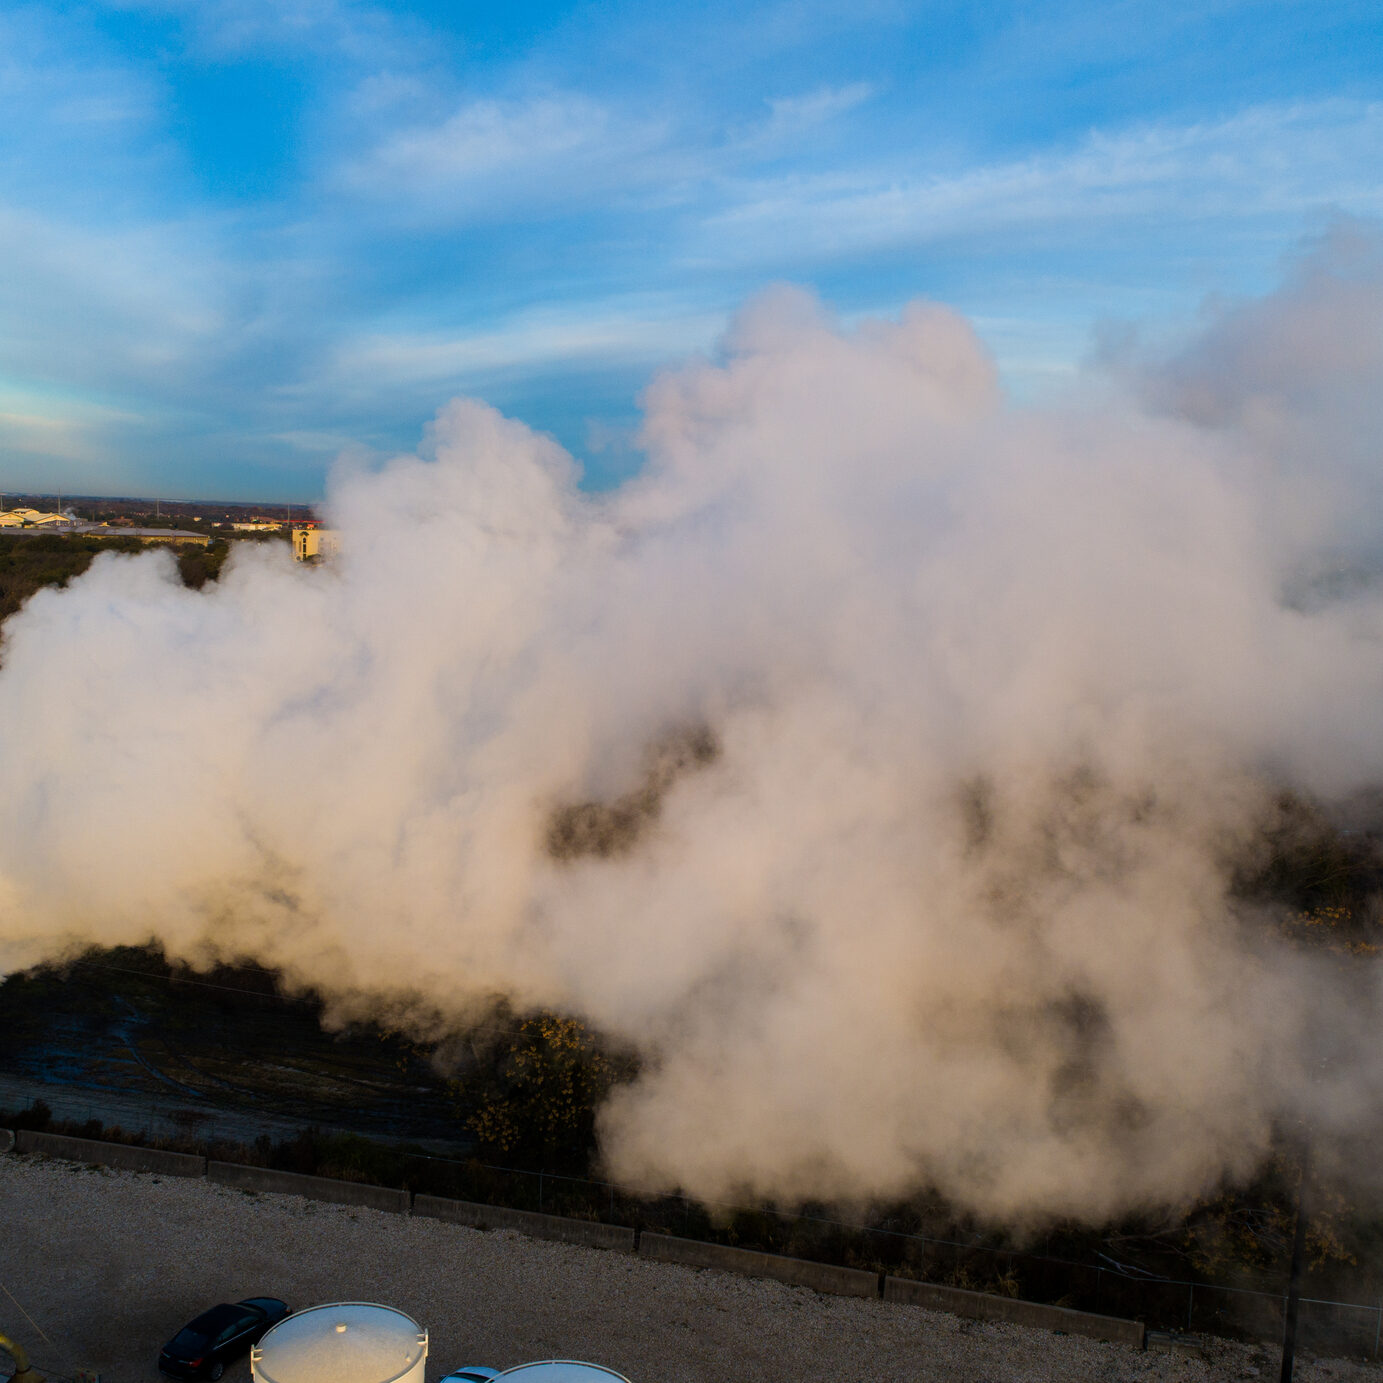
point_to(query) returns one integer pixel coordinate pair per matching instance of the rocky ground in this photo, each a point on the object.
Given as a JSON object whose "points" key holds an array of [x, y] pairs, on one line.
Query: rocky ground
{"points": [[101, 1267]]}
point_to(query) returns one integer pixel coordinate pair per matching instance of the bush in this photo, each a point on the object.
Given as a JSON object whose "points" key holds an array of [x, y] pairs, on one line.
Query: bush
{"points": [[37, 1117]]}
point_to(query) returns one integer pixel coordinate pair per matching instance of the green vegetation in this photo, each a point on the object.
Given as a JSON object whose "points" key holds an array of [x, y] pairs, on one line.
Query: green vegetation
{"points": [[536, 1099], [198, 565], [28, 564]]}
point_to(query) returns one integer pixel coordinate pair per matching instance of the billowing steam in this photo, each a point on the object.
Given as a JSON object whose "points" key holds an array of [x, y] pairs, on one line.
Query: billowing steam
{"points": [[875, 762]]}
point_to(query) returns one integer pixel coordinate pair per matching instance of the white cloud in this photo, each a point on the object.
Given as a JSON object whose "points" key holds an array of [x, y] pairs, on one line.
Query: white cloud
{"points": [[490, 154], [588, 332], [98, 308], [67, 112], [227, 27], [61, 428], [1275, 160], [791, 116], [488, 135], [317, 443], [44, 436]]}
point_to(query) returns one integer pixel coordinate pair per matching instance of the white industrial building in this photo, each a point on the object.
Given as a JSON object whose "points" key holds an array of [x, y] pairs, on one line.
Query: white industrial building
{"points": [[313, 544]]}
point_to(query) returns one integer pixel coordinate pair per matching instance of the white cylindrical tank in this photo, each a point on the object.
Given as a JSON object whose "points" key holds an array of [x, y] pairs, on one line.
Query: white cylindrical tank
{"points": [[344, 1342], [563, 1371]]}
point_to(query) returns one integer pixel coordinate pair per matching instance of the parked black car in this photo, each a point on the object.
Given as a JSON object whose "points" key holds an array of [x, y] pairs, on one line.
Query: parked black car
{"points": [[203, 1348]]}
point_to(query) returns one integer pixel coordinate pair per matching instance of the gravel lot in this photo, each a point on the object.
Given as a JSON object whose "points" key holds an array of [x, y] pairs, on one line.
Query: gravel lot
{"points": [[109, 1264]]}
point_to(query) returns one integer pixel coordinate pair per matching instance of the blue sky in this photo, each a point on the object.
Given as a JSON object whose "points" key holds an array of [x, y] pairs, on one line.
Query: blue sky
{"points": [[238, 236]]}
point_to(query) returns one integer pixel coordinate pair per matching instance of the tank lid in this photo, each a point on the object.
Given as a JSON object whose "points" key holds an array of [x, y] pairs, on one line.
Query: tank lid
{"points": [[343, 1342], [563, 1371]]}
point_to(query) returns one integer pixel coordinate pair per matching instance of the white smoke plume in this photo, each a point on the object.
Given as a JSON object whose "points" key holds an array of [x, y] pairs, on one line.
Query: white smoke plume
{"points": [[964, 711]]}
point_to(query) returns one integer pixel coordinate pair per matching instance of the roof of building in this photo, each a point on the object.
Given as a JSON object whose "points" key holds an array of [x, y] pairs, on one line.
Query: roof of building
{"points": [[146, 535]]}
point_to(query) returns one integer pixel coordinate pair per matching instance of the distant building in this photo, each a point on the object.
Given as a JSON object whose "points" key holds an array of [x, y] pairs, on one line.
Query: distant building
{"points": [[34, 518], [257, 526], [177, 536], [164, 535], [34, 521], [311, 543]]}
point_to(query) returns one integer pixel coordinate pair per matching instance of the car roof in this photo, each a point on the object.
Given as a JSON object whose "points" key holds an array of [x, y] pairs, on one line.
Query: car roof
{"points": [[218, 1317], [265, 1304]]}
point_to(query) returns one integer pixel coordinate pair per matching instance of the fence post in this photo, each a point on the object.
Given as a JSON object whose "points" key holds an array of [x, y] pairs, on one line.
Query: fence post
{"points": [[1377, 1328], [1190, 1302], [540, 1190]]}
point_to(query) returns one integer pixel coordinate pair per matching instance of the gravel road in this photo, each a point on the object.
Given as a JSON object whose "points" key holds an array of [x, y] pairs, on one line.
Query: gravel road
{"points": [[109, 1264]]}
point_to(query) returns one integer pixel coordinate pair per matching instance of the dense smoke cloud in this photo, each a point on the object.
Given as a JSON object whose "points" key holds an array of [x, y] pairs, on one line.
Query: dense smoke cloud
{"points": [[875, 762]]}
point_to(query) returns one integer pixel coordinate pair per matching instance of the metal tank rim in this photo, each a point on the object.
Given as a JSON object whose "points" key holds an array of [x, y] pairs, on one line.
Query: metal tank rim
{"points": [[584, 1364], [420, 1337]]}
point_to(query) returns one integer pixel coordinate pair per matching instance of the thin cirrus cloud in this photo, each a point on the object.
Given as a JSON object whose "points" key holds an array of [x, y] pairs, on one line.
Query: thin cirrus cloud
{"points": [[236, 27], [62, 429], [236, 230], [1267, 161], [70, 292], [65, 110], [740, 204], [578, 333], [491, 154], [566, 148], [791, 117]]}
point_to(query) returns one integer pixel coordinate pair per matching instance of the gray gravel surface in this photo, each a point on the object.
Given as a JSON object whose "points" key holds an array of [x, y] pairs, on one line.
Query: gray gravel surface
{"points": [[109, 1264]]}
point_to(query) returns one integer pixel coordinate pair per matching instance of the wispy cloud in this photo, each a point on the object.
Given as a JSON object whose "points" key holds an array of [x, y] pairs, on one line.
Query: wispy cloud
{"points": [[790, 117], [1269, 160], [485, 136], [106, 306], [259, 227], [58, 87], [71, 117], [230, 28], [60, 428], [568, 148], [489, 155], [575, 334]]}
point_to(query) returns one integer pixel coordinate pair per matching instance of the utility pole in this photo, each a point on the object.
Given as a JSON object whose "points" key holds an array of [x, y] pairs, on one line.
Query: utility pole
{"points": [[1289, 1327]]}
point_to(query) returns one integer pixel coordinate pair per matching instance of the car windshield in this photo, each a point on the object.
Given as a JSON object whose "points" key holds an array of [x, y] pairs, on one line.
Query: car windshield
{"points": [[188, 1341], [218, 1318], [197, 1335]]}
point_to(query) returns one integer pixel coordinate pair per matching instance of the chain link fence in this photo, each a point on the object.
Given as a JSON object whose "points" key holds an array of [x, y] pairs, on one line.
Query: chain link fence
{"points": [[1326, 1327]]}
